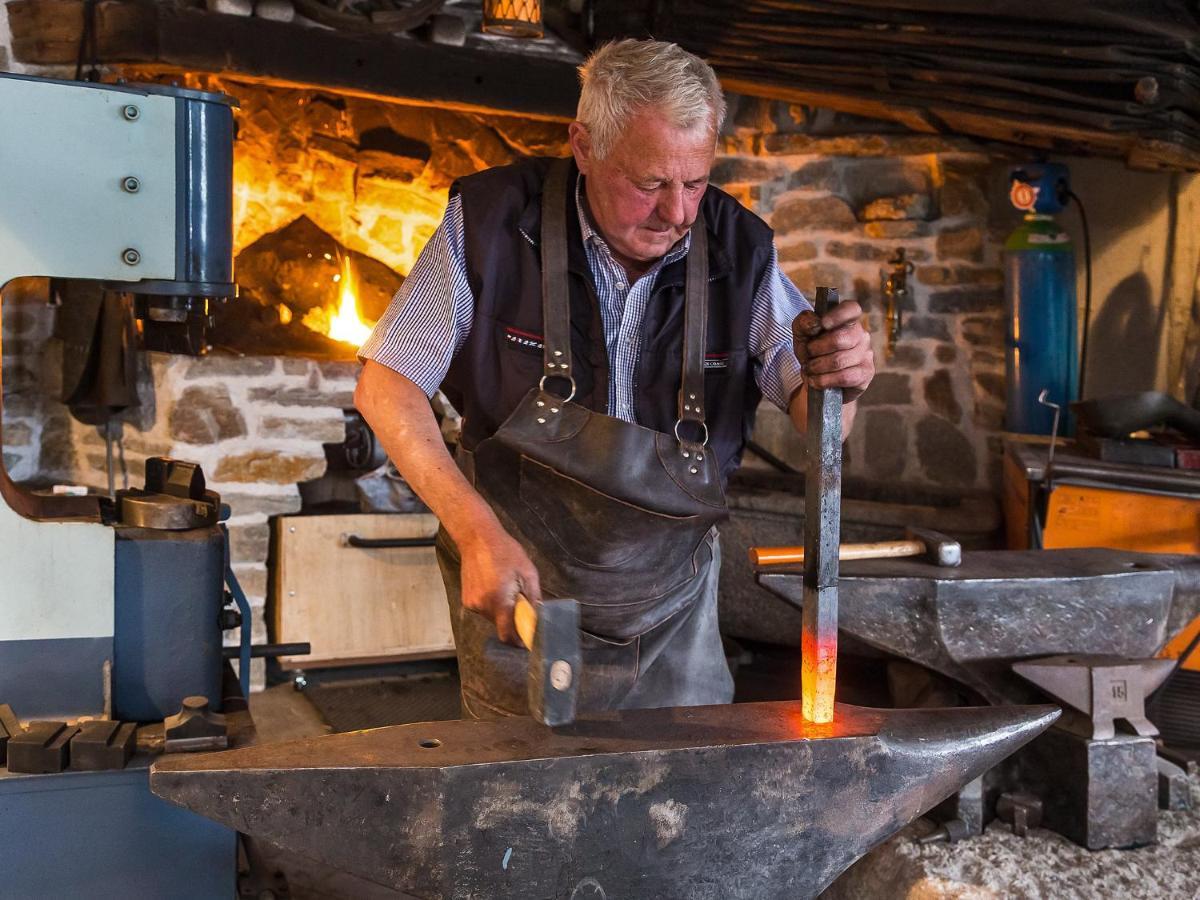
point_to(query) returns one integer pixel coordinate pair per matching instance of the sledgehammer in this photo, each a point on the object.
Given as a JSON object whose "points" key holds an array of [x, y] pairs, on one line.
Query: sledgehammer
{"points": [[929, 545], [550, 632]]}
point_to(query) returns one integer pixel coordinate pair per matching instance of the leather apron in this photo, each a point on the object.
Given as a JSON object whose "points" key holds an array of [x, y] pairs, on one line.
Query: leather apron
{"points": [[618, 516]]}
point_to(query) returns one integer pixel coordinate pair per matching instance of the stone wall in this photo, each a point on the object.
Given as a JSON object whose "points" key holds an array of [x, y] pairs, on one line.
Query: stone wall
{"points": [[841, 204]]}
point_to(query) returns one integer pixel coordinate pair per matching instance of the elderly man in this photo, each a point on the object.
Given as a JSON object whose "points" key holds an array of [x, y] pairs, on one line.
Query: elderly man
{"points": [[607, 325]]}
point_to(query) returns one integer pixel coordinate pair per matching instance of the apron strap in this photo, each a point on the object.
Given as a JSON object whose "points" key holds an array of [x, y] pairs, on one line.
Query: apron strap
{"points": [[556, 303], [695, 321]]}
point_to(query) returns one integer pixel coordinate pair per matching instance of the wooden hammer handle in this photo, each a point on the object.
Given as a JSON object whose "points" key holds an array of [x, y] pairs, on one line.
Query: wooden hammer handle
{"points": [[525, 620], [780, 556]]}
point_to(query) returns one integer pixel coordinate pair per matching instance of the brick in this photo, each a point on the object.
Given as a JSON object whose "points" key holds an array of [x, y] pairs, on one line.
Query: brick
{"points": [[946, 353], [295, 366], [905, 206], [800, 251], [266, 504], [223, 365], [821, 175], [249, 543], [887, 230], [205, 415], [17, 434], [303, 396], [962, 191], [859, 251], [987, 358], [20, 404], [813, 213], [926, 327], [271, 466], [906, 356], [966, 300], [820, 274], [888, 389], [984, 332], [886, 441], [339, 370], [946, 455], [745, 170], [939, 395], [57, 456], [954, 275], [324, 430], [961, 243]]}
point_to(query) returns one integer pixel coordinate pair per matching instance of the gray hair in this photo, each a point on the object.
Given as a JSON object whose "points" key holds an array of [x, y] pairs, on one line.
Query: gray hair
{"points": [[623, 77]]}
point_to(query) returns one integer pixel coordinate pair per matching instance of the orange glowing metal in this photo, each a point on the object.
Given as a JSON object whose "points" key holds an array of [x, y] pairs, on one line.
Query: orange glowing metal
{"points": [[818, 678]]}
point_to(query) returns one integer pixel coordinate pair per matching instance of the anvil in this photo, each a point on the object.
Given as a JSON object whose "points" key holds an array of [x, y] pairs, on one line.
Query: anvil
{"points": [[973, 622], [740, 801]]}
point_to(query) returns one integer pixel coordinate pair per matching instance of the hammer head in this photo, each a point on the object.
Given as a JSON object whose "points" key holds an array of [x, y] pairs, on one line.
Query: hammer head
{"points": [[940, 549], [554, 663]]}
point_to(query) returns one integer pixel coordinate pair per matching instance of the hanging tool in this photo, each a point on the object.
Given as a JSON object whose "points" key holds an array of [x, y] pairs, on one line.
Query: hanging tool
{"points": [[550, 632], [933, 547], [822, 534], [895, 289]]}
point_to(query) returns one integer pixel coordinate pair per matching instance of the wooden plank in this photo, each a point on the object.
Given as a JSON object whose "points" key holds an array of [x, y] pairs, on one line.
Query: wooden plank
{"points": [[289, 54], [353, 604]]}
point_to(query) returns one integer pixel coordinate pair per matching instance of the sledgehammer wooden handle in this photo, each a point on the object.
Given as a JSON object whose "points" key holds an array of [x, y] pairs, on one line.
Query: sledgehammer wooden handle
{"points": [[525, 620], [779, 556]]}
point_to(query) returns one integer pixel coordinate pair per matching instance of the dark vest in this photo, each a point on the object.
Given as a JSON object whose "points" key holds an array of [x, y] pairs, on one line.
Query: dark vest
{"points": [[502, 357]]}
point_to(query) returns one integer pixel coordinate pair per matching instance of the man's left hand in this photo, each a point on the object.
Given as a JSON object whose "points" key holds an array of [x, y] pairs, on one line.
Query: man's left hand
{"points": [[835, 349]]}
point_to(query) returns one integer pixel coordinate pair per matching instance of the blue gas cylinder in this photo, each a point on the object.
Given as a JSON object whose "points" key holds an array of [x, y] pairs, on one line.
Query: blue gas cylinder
{"points": [[1039, 282]]}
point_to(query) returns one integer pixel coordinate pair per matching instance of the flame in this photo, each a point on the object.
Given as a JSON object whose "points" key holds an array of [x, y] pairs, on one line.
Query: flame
{"points": [[343, 323]]}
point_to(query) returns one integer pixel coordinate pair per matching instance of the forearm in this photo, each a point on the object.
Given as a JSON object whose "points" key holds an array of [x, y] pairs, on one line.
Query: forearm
{"points": [[798, 413], [399, 413]]}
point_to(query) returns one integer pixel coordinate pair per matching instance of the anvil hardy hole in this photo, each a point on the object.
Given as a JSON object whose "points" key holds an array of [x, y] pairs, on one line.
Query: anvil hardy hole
{"points": [[431, 743]]}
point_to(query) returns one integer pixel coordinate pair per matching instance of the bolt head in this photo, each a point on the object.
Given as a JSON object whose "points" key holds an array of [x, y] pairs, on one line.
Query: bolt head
{"points": [[560, 675], [131, 257], [130, 184], [131, 113]]}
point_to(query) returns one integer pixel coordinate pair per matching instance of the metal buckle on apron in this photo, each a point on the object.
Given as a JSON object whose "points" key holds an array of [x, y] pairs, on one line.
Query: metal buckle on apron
{"points": [[570, 396], [682, 442]]}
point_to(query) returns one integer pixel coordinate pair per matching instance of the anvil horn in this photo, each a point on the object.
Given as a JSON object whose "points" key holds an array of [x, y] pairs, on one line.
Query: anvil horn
{"points": [[741, 801]]}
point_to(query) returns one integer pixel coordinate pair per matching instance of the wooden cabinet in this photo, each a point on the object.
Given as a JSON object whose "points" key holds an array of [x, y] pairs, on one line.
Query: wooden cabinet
{"points": [[354, 604]]}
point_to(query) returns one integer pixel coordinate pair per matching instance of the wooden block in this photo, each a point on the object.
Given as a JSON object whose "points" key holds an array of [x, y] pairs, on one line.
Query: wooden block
{"points": [[354, 604]]}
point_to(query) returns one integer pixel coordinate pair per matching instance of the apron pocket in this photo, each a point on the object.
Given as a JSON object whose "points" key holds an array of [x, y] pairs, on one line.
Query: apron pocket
{"points": [[601, 532]]}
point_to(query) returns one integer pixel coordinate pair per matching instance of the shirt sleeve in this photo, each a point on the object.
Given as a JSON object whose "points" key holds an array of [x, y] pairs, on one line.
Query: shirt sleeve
{"points": [[430, 317], [776, 303]]}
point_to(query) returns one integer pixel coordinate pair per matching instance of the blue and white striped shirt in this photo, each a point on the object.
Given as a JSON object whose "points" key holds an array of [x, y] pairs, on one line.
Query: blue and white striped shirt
{"points": [[430, 317]]}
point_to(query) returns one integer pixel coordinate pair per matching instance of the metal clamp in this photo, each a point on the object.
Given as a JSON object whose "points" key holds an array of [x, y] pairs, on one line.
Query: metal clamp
{"points": [[570, 378]]}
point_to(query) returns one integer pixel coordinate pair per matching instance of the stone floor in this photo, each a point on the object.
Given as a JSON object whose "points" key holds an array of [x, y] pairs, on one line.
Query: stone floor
{"points": [[1043, 866]]}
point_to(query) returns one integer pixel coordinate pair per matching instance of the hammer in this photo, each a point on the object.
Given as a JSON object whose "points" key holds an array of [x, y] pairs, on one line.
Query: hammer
{"points": [[550, 632], [931, 546]]}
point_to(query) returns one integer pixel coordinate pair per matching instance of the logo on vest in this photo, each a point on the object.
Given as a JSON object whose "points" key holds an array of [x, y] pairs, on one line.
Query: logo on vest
{"points": [[716, 361], [524, 339]]}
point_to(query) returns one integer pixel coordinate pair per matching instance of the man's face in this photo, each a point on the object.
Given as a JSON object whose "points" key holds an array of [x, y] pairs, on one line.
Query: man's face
{"points": [[644, 195]]}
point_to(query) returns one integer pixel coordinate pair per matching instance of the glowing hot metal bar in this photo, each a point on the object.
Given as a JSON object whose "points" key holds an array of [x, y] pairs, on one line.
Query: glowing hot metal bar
{"points": [[822, 535]]}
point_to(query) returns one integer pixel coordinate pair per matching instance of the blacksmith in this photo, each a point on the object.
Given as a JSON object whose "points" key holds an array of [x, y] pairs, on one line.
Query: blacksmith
{"points": [[607, 325]]}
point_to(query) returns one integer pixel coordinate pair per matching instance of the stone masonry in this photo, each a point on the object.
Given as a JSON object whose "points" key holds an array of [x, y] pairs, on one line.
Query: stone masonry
{"points": [[840, 207]]}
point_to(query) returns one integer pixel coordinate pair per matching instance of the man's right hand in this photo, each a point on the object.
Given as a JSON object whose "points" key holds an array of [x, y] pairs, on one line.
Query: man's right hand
{"points": [[495, 569]]}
